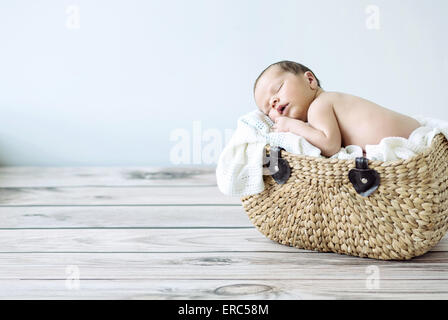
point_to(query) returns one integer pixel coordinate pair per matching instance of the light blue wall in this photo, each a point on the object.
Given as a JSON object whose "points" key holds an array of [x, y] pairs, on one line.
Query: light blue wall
{"points": [[137, 75]]}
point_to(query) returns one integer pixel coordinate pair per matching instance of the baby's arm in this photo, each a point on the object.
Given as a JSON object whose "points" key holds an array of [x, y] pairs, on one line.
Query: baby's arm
{"points": [[321, 116], [323, 129]]}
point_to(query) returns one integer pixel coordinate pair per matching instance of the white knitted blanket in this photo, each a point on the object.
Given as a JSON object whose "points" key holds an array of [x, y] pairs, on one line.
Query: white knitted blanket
{"points": [[240, 171]]}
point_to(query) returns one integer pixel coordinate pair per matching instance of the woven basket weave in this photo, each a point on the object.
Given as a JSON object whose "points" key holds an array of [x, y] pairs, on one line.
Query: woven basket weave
{"points": [[319, 209]]}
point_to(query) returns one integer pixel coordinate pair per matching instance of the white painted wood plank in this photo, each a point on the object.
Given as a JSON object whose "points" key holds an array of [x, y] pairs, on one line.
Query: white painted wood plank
{"points": [[144, 240], [105, 176], [222, 289], [124, 217], [135, 240], [219, 265], [115, 196]]}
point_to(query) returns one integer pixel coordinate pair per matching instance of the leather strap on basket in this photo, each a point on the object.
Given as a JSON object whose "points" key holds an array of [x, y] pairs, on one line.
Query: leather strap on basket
{"points": [[364, 180], [275, 166]]}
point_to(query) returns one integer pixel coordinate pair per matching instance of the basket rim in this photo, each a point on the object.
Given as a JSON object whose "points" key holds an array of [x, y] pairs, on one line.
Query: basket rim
{"points": [[437, 140]]}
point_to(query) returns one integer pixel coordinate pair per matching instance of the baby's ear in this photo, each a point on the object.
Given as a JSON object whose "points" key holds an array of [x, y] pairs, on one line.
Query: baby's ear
{"points": [[310, 79]]}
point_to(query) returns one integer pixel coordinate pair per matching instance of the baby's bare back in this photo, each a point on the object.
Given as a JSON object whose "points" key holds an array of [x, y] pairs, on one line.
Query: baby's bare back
{"points": [[363, 122]]}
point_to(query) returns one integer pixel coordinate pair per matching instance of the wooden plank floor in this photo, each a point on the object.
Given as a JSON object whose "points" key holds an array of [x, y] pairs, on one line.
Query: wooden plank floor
{"points": [[168, 233]]}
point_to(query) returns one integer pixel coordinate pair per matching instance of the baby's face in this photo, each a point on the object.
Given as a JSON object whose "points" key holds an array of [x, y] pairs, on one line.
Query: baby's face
{"points": [[280, 93]]}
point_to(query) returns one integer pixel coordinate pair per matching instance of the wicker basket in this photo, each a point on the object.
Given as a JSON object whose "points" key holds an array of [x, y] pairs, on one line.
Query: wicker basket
{"points": [[402, 214]]}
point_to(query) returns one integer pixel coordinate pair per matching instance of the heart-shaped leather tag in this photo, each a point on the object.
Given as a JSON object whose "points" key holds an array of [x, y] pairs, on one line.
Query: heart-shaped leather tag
{"points": [[364, 180], [283, 172], [277, 167]]}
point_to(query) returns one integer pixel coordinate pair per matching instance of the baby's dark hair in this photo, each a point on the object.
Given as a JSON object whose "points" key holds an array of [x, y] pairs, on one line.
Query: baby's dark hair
{"points": [[289, 66]]}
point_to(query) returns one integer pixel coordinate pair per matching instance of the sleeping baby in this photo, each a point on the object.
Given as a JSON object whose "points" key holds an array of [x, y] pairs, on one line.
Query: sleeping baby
{"points": [[290, 94]]}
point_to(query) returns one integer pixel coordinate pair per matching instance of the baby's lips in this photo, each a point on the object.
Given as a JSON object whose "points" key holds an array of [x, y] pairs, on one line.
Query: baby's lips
{"points": [[282, 108]]}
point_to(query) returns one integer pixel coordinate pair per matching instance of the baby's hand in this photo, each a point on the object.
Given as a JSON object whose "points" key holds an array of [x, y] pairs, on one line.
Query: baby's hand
{"points": [[283, 124]]}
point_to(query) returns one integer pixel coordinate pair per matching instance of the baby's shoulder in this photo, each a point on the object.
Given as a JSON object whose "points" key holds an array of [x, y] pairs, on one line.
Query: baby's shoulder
{"points": [[325, 99], [329, 96]]}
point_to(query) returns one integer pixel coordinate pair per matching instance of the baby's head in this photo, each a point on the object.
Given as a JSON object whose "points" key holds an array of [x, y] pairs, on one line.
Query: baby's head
{"points": [[286, 88]]}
